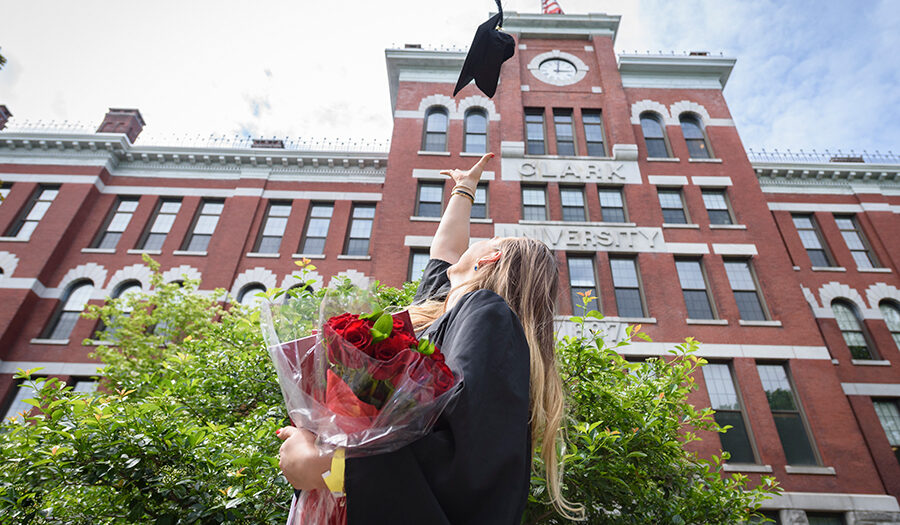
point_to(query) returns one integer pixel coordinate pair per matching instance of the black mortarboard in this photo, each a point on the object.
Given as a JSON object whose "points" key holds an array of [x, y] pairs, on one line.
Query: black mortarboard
{"points": [[490, 48]]}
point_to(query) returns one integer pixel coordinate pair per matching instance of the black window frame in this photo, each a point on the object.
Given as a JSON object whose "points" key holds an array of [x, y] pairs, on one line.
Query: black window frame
{"points": [[353, 218], [439, 185], [102, 234], [564, 188], [467, 133], [893, 441], [413, 253], [591, 145], [309, 218], [861, 236], [893, 325], [535, 116], [715, 215], [261, 237], [61, 311], [189, 238], [481, 191], [22, 217], [543, 189], [695, 145], [678, 190], [856, 350], [724, 419], [157, 212], [766, 315], [428, 133], [577, 302], [621, 192], [658, 120], [617, 287], [706, 290], [564, 120], [797, 409], [816, 229]]}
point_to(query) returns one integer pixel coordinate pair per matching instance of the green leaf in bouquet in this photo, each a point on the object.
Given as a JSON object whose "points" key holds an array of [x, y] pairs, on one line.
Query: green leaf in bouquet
{"points": [[382, 328], [374, 316], [425, 347]]}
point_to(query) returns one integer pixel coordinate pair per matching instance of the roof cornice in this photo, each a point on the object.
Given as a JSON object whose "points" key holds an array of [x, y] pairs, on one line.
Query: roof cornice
{"points": [[697, 66], [441, 64], [578, 27]]}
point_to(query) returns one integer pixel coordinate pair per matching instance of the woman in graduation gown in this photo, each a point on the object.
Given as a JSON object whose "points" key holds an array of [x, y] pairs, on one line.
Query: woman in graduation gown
{"points": [[490, 308]]}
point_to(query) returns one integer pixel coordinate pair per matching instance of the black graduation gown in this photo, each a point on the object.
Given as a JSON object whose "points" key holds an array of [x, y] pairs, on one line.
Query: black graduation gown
{"points": [[474, 467]]}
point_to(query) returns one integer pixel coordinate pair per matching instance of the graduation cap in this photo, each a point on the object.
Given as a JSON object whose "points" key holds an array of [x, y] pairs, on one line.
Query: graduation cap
{"points": [[489, 50]]}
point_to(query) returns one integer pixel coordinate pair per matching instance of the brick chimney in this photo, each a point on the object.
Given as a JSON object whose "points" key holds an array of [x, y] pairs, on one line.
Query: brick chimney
{"points": [[127, 121], [4, 115]]}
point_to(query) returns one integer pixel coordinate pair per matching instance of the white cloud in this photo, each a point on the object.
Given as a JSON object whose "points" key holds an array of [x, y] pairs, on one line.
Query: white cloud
{"points": [[809, 74]]}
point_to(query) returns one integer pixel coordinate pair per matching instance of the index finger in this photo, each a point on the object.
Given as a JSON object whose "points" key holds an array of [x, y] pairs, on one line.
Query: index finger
{"points": [[484, 159]]}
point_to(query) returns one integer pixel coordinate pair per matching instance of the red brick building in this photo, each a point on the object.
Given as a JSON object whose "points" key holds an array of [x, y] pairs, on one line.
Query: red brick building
{"points": [[629, 166]]}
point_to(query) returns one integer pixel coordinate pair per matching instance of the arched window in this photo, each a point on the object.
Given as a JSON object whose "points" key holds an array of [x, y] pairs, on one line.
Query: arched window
{"points": [[851, 326], [121, 292], [476, 131], [247, 295], [698, 147], [654, 135], [70, 310], [436, 121], [891, 313]]}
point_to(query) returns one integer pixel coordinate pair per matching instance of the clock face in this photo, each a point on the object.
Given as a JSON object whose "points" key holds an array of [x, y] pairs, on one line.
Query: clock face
{"points": [[558, 69]]}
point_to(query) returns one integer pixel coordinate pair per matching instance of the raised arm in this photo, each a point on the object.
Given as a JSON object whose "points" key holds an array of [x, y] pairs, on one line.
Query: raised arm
{"points": [[452, 236]]}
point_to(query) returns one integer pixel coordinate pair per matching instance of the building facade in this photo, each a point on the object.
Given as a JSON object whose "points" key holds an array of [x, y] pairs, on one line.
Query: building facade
{"points": [[628, 166]]}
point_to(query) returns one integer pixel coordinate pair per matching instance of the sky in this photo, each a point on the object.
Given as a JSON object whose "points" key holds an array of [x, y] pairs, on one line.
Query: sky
{"points": [[809, 74]]}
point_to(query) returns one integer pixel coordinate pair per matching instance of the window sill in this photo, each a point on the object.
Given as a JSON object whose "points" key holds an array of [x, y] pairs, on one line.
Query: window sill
{"points": [[263, 255], [15, 239], [632, 320], [746, 467], [574, 223], [727, 227], [58, 342], [185, 252], [481, 221], [663, 159], [95, 342], [308, 255], [470, 154], [710, 161], [354, 257], [822, 471], [873, 270], [436, 153], [98, 250], [681, 226], [828, 269], [870, 362], [719, 322], [796, 268], [416, 218], [760, 323], [148, 252]]}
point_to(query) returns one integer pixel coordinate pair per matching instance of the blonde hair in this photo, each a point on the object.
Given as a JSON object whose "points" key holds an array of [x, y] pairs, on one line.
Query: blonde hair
{"points": [[527, 277]]}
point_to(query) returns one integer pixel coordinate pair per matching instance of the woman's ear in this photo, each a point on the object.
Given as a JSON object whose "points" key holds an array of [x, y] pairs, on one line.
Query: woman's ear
{"points": [[490, 258]]}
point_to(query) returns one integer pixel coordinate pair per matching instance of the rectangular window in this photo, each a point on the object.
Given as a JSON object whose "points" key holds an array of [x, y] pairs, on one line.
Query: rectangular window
{"points": [[627, 284], [889, 415], [856, 241], [115, 223], [695, 288], [785, 409], [811, 237], [317, 228], [771, 516], [273, 227], [672, 205], [360, 231], [160, 224], [565, 132], [724, 399], [480, 207], [582, 281], [418, 259], [430, 200], [204, 225], [5, 188], [534, 131], [572, 203], [824, 518], [593, 132], [746, 292], [18, 406], [612, 205], [33, 212], [717, 207], [534, 203]]}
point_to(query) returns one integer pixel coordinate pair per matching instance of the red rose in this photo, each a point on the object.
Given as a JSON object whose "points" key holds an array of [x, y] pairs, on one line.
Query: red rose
{"points": [[359, 334], [443, 376], [394, 367], [339, 322], [340, 351], [393, 345]]}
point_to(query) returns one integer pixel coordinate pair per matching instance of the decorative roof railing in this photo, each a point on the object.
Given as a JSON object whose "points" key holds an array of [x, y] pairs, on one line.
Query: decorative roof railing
{"points": [[317, 144], [824, 157]]}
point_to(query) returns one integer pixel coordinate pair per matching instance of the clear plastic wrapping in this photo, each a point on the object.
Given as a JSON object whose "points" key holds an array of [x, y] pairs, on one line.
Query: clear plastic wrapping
{"points": [[362, 383]]}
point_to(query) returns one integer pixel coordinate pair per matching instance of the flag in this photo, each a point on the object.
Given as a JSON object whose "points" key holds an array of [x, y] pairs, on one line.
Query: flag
{"points": [[550, 7]]}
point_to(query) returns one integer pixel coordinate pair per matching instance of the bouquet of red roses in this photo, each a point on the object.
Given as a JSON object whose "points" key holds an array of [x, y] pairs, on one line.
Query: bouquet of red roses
{"points": [[363, 383]]}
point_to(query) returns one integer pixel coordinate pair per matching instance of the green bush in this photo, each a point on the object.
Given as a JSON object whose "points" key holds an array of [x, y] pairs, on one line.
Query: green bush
{"points": [[183, 427]]}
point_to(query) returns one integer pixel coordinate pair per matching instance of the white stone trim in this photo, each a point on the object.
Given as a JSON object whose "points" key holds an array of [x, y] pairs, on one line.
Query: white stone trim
{"points": [[52, 368], [437, 100], [878, 292], [419, 173], [734, 249], [688, 106], [687, 248], [289, 280], [322, 195], [650, 105], [830, 291], [424, 241], [728, 351], [181, 272], [831, 502], [811, 207], [356, 277], [712, 182], [477, 101], [8, 263], [258, 274], [596, 89], [581, 68], [667, 180], [135, 272], [871, 389]]}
